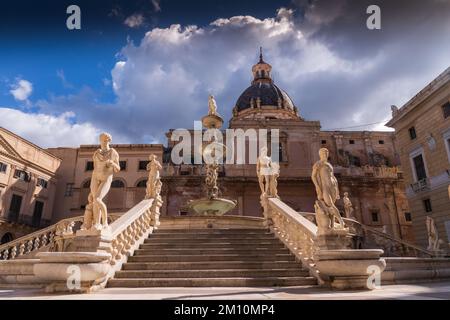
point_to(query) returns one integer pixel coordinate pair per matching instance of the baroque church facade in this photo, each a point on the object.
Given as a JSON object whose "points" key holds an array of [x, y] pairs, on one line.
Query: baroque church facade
{"points": [[366, 164]]}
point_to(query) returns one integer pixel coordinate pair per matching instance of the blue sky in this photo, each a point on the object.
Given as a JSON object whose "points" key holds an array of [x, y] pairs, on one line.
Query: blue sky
{"points": [[138, 68]]}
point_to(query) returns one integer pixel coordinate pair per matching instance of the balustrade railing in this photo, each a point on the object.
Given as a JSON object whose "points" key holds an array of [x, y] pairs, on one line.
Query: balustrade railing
{"points": [[50, 238]]}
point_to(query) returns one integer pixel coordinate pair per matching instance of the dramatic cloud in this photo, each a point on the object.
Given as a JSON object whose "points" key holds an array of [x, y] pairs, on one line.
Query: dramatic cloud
{"points": [[22, 90], [48, 131], [335, 69], [134, 21]]}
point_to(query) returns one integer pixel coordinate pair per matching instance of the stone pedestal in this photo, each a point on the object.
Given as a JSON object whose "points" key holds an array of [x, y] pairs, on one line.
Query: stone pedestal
{"points": [[76, 272], [334, 239], [351, 269], [92, 241]]}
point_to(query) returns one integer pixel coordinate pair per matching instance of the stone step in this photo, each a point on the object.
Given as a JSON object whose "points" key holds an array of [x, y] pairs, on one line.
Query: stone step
{"points": [[220, 273], [210, 251], [213, 282], [208, 265], [212, 231], [220, 257], [206, 245], [208, 236], [215, 240]]}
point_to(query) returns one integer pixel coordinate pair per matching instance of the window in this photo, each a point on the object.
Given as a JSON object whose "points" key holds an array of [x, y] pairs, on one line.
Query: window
{"points": [[446, 110], [380, 141], [22, 175], [427, 205], [412, 133], [87, 184], [142, 184], [3, 167], [123, 165], [375, 216], [89, 166], [117, 184], [419, 167], [408, 216], [37, 214], [324, 141], [143, 165], [352, 142], [42, 183], [69, 190], [14, 208], [280, 153], [183, 213]]}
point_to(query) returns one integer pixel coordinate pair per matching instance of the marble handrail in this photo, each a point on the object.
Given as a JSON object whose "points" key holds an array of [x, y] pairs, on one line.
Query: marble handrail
{"points": [[296, 232], [39, 239]]}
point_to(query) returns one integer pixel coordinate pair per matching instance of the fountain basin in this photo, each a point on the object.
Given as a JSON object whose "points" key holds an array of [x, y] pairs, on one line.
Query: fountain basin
{"points": [[214, 206]]}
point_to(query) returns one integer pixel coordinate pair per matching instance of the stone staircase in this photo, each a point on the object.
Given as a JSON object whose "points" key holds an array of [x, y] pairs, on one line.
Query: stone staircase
{"points": [[212, 258]]}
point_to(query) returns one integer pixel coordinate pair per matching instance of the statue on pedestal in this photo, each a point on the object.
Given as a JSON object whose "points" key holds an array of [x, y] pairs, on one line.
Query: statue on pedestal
{"points": [[263, 170], [273, 182], [327, 193], [106, 163], [154, 180], [212, 106], [348, 206], [433, 235]]}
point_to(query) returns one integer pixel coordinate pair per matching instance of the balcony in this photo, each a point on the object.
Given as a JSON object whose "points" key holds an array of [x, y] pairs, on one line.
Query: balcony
{"points": [[421, 185]]}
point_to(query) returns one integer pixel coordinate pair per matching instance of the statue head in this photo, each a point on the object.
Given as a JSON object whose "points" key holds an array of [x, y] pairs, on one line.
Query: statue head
{"points": [[323, 154], [152, 157], [105, 138], [345, 194]]}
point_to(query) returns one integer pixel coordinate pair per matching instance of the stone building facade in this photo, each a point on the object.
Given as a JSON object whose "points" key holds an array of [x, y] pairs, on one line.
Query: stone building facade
{"points": [[422, 128], [27, 186], [366, 164]]}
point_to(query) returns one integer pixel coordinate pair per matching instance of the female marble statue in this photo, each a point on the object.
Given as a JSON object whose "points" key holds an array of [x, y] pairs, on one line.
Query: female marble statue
{"points": [[106, 163], [153, 168], [326, 185], [348, 206], [433, 235], [263, 170]]}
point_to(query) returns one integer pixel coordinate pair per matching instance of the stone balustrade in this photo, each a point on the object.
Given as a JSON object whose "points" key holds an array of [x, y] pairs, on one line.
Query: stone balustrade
{"points": [[329, 257], [98, 255]]}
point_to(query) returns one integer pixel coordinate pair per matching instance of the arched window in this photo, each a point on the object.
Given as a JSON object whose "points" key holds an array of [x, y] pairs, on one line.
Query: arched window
{"points": [[117, 184], [7, 237], [142, 184], [87, 184]]}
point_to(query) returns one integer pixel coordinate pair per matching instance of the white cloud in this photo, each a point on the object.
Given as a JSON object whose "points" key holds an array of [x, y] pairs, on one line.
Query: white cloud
{"points": [[21, 90], [134, 21], [336, 71], [47, 130]]}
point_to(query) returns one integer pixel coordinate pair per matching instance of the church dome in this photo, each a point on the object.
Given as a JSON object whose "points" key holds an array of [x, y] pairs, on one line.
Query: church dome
{"points": [[263, 93]]}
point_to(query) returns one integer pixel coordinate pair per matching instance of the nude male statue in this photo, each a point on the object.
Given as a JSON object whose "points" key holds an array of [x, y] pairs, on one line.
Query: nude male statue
{"points": [[106, 163], [263, 170]]}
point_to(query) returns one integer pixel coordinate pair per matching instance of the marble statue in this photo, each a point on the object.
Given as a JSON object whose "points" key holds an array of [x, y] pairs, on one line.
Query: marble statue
{"points": [[106, 163], [153, 168], [327, 191], [348, 206], [263, 170], [212, 106], [212, 170], [273, 181], [433, 235]]}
